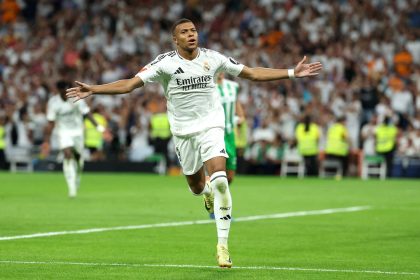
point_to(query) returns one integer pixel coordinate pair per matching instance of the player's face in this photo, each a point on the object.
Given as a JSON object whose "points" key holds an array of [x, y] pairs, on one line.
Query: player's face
{"points": [[186, 36]]}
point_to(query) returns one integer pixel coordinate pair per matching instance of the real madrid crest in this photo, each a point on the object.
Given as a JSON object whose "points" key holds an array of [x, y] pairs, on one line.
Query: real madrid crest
{"points": [[206, 66]]}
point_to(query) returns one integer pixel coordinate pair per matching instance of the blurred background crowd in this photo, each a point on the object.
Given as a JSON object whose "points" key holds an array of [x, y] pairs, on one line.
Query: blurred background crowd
{"points": [[370, 51]]}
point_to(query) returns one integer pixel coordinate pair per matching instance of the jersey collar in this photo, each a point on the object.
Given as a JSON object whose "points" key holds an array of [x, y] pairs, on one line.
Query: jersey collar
{"points": [[198, 54]]}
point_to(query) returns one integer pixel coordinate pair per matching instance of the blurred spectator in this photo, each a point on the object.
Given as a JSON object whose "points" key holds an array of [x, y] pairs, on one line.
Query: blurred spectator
{"points": [[338, 105], [416, 121], [353, 112], [401, 102], [409, 143], [386, 140], [94, 139], [383, 109], [415, 78], [160, 133], [376, 66], [38, 122], [9, 11], [263, 133], [338, 143], [256, 156], [139, 148], [274, 155], [18, 132], [288, 122], [325, 88], [403, 62], [368, 137], [369, 98], [3, 163], [307, 136]]}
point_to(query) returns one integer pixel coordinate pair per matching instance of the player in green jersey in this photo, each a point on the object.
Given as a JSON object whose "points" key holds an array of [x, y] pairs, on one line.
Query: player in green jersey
{"points": [[234, 114]]}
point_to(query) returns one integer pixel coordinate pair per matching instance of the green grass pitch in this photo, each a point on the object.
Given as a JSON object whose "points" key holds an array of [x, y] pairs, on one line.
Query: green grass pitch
{"points": [[381, 242]]}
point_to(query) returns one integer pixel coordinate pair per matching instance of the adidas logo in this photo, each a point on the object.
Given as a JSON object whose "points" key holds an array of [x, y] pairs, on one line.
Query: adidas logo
{"points": [[227, 217], [223, 151], [179, 71]]}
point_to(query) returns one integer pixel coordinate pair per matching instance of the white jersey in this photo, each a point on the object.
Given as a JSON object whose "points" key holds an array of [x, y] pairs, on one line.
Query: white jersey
{"points": [[67, 115], [192, 99]]}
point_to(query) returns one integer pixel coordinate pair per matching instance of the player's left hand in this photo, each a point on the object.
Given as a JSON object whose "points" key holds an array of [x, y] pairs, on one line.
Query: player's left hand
{"points": [[45, 150], [304, 69], [80, 92]]}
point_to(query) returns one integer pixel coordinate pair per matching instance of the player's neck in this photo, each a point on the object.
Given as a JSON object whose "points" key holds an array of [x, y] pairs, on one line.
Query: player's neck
{"points": [[187, 54]]}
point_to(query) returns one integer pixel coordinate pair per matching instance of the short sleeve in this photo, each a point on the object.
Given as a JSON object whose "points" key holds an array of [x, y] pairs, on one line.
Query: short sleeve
{"points": [[83, 107], [229, 65], [152, 72]]}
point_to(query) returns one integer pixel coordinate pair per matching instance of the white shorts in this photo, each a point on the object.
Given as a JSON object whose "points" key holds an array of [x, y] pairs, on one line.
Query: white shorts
{"points": [[194, 150], [67, 140]]}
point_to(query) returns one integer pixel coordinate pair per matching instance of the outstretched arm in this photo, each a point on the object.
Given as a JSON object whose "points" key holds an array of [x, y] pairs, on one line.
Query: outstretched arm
{"points": [[119, 87], [268, 74]]}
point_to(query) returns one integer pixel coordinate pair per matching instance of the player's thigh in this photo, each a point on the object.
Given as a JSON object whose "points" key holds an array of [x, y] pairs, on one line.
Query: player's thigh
{"points": [[213, 150], [67, 152], [65, 141], [197, 181], [187, 151], [79, 144], [70, 142]]}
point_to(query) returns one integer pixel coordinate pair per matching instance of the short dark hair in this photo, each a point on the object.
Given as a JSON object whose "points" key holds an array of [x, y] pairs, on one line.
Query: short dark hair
{"points": [[178, 22], [62, 85]]}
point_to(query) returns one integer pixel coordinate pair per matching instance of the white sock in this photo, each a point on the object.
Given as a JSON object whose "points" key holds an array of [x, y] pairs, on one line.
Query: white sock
{"points": [[80, 164], [222, 205], [69, 168]]}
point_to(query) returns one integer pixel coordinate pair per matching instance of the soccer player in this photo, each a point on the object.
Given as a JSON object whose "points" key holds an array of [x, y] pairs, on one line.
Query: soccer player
{"points": [[67, 118], [195, 113], [234, 114]]}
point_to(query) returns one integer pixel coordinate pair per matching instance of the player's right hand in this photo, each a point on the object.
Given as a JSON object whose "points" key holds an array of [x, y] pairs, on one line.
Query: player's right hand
{"points": [[82, 91]]}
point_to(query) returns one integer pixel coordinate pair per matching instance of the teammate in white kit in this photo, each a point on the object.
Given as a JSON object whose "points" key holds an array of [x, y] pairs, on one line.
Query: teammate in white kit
{"points": [[188, 77], [67, 119]]}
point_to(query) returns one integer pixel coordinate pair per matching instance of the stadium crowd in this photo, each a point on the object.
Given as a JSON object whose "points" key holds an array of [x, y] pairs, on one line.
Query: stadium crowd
{"points": [[370, 51]]}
